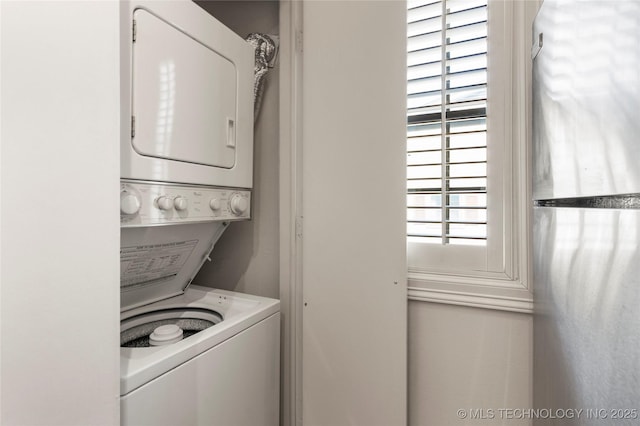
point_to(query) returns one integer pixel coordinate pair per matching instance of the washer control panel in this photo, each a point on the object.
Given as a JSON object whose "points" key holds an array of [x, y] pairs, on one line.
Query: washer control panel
{"points": [[156, 204]]}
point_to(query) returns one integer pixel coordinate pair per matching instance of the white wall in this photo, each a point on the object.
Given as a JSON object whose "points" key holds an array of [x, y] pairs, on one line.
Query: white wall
{"points": [[353, 213], [246, 259], [59, 310], [468, 358]]}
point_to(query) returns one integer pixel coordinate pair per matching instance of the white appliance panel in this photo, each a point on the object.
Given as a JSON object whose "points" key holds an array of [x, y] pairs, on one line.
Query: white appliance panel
{"points": [[235, 383], [190, 84], [184, 96]]}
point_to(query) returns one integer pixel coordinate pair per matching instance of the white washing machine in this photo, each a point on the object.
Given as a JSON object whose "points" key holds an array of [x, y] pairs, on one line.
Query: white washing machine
{"points": [[226, 374], [189, 355]]}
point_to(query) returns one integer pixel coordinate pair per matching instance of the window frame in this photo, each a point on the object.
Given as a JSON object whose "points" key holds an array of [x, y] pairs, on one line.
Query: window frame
{"points": [[501, 271]]}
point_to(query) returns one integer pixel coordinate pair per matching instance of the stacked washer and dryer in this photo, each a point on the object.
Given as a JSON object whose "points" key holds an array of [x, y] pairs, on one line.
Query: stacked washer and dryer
{"points": [[190, 355]]}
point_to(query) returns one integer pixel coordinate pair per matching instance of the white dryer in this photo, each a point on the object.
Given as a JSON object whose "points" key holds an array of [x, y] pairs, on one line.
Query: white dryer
{"points": [[190, 81], [189, 355]]}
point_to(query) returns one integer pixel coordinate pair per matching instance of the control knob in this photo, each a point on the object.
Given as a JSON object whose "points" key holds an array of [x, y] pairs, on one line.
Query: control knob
{"points": [[129, 203], [238, 204], [215, 204], [164, 203], [180, 203]]}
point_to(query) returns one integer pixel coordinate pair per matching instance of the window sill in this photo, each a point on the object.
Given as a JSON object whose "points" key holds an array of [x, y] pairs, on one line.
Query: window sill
{"points": [[502, 295]]}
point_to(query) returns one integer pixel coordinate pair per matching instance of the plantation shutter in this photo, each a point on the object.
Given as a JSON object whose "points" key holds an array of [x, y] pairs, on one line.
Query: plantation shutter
{"points": [[447, 122]]}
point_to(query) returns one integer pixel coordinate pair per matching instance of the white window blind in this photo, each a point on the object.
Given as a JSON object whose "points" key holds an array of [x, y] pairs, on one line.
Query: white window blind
{"points": [[447, 122]]}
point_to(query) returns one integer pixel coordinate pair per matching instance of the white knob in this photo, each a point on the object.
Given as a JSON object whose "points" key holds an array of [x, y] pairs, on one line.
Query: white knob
{"points": [[180, 203], [238, 204], [164, 203], [215, 204], [129, 203]]}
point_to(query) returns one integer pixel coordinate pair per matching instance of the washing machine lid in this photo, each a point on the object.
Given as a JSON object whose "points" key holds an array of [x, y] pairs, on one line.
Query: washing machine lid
{"points": [[158, 262]]}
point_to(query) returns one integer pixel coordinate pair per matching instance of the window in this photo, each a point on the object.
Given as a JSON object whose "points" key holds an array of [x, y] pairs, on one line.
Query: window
{"points": [[447, 126], [459, 189]]}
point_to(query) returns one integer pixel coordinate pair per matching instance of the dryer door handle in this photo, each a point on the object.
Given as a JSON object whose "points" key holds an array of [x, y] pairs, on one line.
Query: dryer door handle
{"points": [[231, 133]]}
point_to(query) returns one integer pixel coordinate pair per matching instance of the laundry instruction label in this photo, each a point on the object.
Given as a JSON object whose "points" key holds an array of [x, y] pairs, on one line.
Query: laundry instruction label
{"points": [[144, 264]]}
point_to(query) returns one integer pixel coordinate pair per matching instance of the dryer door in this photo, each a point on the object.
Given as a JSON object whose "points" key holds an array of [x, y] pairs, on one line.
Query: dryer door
{"points": [[184, 96]]}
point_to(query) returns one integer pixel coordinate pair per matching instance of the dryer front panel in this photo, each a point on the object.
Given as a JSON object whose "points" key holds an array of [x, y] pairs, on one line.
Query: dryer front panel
{"points": [[184, 96], [189, 81]]}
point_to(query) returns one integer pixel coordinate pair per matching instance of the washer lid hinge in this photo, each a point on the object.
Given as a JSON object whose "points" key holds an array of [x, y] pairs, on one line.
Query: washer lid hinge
{"points": [[299, 226], [133, 126], [134, 30], [299, 41]]}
